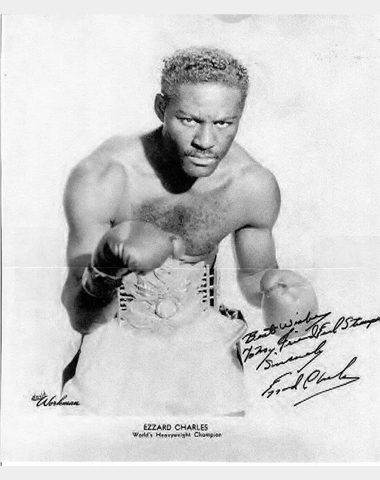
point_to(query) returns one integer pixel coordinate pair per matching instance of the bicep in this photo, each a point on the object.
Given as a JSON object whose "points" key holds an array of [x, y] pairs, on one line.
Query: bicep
{"points": [[254, 244], [90, 201], [255, 249]]}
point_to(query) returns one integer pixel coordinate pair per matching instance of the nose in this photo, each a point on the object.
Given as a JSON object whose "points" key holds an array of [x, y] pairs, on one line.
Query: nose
{"points": [[204, 139]]}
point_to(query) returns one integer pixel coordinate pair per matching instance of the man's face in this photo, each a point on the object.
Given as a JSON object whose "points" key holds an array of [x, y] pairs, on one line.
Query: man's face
{"points": [[199, 125]]}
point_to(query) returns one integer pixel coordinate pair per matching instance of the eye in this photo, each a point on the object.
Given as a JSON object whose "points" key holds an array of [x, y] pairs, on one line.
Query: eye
{"points": [[188, 121], [222, 124]]}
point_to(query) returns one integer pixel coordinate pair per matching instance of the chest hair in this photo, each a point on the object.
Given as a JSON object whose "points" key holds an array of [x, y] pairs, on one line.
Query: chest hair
{"points": [[202, 225]]}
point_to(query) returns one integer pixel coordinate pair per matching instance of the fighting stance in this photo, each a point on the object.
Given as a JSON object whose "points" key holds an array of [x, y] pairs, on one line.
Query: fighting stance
{"points": [[146, 215]]}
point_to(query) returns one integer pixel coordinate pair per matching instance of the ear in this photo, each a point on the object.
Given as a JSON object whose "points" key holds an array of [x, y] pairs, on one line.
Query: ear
{"points": [[159, 106]]}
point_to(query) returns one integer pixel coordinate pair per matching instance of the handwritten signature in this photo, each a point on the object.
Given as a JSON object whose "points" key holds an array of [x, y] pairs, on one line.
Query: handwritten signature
{"points": [[305, 380], [271, 356]]}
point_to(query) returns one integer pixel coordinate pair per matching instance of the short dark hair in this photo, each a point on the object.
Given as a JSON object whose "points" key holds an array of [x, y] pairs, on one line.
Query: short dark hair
{"points": [[201, 65]]}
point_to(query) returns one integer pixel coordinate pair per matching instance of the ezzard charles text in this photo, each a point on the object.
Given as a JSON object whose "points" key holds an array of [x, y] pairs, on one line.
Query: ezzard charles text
{"points": [[176, 430]]}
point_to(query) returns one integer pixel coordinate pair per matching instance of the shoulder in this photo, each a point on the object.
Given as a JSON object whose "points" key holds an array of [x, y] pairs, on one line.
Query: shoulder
{"points": [[256, 187], [97, 182], [108, 164], [111, 158]]}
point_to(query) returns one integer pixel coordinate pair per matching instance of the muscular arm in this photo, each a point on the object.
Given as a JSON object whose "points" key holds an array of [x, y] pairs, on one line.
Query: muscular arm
{"points": [[92, 197], [254, 244]]}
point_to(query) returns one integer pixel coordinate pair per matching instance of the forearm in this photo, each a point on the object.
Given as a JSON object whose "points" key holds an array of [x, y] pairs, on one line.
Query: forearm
{"points": [[250, 284], [131, 246], [87, 312]]}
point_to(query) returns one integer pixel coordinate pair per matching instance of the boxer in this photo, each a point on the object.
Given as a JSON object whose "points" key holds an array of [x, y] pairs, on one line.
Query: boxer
{"points": [[160, 203]]}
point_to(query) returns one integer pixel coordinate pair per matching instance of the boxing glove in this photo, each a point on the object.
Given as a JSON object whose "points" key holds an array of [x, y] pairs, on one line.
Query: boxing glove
{"points": [[134, 246], [287, 296]]}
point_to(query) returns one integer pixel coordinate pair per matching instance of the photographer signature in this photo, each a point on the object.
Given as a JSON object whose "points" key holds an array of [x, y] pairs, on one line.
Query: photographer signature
{"points": [[44, 400]]}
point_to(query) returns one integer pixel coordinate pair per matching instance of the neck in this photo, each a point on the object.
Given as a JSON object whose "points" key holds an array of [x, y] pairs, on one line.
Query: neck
{"points": [[167, 165]]}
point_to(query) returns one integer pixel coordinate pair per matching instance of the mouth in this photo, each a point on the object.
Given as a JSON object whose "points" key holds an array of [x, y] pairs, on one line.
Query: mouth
{"points": [[204, 161]]}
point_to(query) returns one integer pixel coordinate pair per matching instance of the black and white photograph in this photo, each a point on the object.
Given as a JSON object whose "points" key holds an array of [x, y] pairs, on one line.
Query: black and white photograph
{"points": [[190, 238]]}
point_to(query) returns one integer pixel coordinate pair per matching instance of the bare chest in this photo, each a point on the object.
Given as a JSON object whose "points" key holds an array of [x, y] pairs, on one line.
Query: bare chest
{"points": [[202, 222]]}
